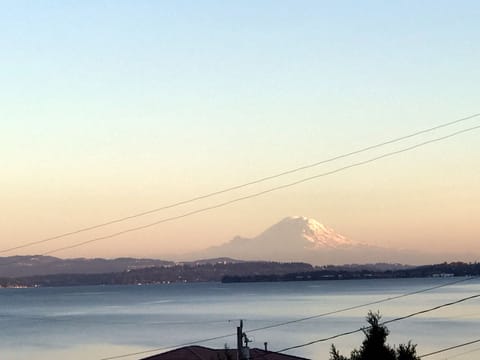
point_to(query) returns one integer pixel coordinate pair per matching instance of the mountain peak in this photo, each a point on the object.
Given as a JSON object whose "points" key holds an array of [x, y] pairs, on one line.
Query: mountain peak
{"points": [[310, 232], [305, 221], [299, 238], [294, 238]]}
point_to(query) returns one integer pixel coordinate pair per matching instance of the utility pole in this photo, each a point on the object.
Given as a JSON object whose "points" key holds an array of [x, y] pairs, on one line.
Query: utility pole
{"points": [[240, 341], [243, 352]]}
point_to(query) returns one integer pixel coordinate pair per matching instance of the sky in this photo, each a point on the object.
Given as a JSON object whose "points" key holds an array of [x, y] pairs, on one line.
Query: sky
{"points": [[113, 108]]}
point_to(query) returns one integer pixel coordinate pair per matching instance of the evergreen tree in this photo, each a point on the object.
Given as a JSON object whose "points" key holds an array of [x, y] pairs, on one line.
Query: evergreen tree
{"points": [[375, 346]]}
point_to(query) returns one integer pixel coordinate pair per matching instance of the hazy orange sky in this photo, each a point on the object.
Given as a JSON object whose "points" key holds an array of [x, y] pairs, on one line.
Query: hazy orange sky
{"points": [[108, 109]]}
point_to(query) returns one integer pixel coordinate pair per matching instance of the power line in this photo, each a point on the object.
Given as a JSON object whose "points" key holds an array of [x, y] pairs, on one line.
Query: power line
{"points": [[293, 321], [382, 323], [264, 192], [464, 353], [450, 348], [168, 347], [240, 186], [390, 298]]}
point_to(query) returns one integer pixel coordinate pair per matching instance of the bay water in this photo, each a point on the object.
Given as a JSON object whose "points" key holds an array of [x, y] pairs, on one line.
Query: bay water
{"points": [[99, 322]]}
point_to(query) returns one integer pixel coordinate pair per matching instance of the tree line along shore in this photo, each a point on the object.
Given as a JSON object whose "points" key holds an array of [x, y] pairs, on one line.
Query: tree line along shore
{"points": [[232, 272]]}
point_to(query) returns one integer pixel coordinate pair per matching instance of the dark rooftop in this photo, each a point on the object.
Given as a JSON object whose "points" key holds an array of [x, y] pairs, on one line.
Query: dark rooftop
{"points": [[204, 353]]}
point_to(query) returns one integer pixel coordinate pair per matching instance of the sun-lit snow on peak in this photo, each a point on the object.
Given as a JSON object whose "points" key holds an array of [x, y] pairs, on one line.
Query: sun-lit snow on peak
{"points": [[315, 233], [311, 223]]}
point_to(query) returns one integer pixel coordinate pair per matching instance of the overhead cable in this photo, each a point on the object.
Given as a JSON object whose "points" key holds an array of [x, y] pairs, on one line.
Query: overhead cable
{"points": [[450, 348], [260, 193], [240, 186], [390, 298], [168, 347], [382, 323]]}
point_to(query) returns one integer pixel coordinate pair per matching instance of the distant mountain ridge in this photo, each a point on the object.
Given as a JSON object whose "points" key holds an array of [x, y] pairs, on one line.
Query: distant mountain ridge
{"points": [[14, 266], [243, 272], [200, 271], [39, 265]]}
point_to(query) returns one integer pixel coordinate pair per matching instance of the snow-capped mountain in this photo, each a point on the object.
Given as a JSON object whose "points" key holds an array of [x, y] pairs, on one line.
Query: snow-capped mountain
{"points": [[295, 238], [303, 239], [300, 231]]}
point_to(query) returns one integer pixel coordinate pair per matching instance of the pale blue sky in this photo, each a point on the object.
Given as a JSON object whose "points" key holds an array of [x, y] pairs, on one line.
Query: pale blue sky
{"points": [[112, 107]]}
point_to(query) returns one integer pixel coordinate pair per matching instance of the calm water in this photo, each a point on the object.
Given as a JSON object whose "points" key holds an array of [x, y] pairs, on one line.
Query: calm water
{"points": [[98, 322]]}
